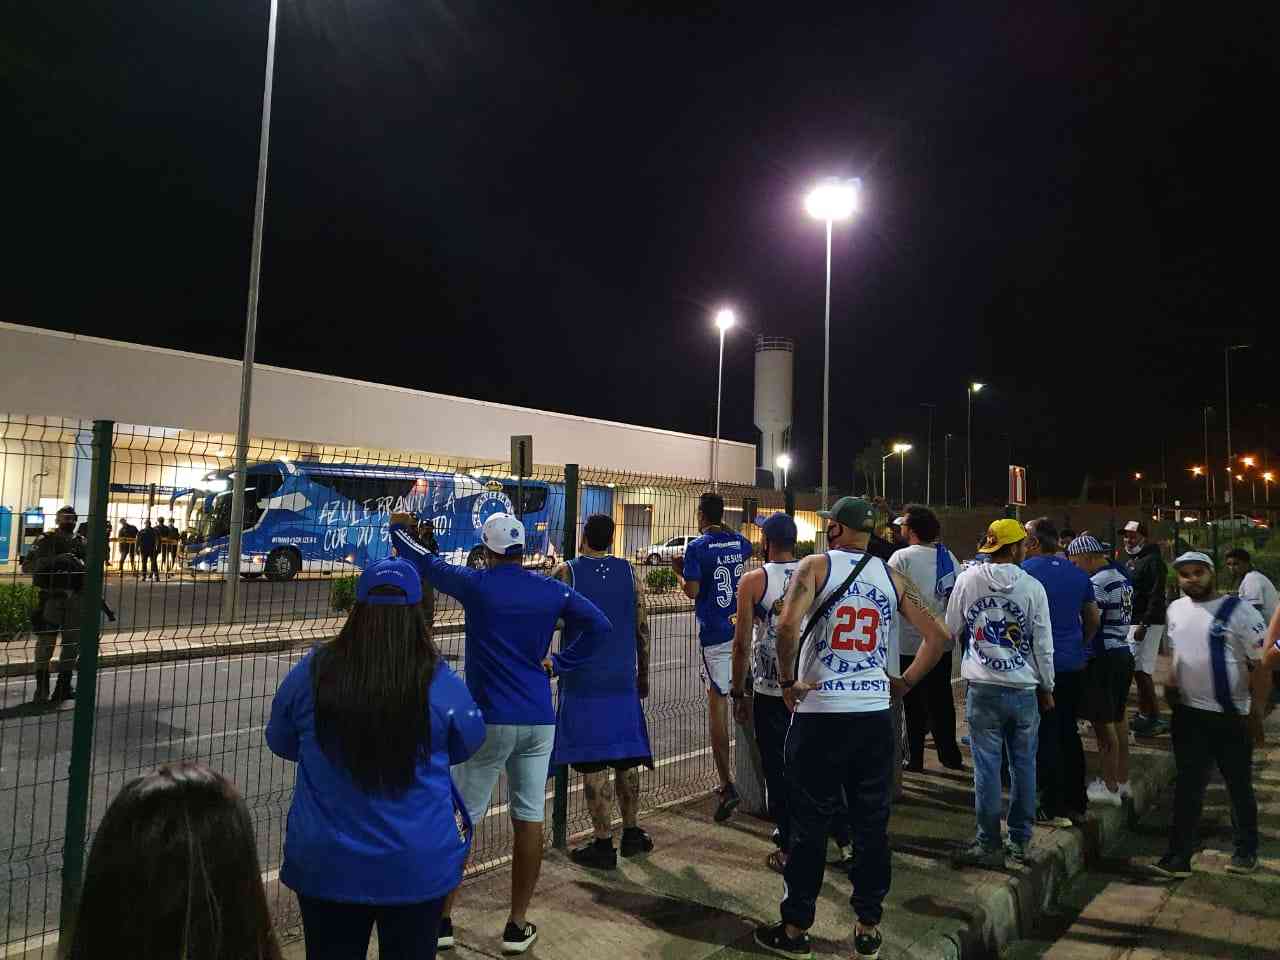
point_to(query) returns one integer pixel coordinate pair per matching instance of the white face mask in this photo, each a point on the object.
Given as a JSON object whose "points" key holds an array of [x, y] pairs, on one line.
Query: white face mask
{"points": [[1134, 550]]}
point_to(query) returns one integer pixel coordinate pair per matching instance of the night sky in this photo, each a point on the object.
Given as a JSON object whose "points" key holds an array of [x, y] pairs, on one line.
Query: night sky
{"points": [[544, 203]]}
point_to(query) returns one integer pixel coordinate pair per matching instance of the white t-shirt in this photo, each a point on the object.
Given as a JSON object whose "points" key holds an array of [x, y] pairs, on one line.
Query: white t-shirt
{"points": [[1189, 624], [919, 564], [1258, 591]]}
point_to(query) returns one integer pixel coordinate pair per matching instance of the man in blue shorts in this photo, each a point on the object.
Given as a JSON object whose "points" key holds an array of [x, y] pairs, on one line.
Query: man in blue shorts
{"points": [[709, 573], [511, 615]]}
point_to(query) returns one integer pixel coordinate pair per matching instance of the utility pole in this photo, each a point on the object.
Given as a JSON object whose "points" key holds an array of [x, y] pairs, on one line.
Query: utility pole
{"points": [[1231, 456], [946, 470], [928, 460]]}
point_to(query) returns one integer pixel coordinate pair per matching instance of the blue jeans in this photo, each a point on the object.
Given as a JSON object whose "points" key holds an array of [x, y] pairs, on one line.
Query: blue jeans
{"points": [[1009, 718]]}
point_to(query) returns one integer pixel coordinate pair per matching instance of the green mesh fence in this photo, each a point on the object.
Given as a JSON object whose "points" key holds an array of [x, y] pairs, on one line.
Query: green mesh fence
{"points": [[186, 671]]}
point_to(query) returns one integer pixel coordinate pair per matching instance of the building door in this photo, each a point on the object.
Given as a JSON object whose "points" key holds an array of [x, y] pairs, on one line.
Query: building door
{"points": [[637, 530]]}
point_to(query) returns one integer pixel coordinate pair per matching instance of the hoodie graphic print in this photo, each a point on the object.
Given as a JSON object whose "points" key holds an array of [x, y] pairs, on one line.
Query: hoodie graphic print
{"points": [[1000, 615]]}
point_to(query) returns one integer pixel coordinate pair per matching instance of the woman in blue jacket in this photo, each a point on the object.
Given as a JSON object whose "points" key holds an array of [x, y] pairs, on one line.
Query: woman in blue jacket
{"points": [[374, 718]]}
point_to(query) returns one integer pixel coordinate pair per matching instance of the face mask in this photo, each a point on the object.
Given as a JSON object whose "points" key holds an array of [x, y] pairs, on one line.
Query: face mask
{"points": [[1134, 550]]}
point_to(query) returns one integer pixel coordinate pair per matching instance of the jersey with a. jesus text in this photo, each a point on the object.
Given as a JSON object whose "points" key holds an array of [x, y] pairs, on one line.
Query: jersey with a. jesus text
{"points": [[716, 560], [845, 655]]}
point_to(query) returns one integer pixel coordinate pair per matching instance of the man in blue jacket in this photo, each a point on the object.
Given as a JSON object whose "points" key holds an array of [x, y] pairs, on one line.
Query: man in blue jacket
{"points": [[511, 615]]}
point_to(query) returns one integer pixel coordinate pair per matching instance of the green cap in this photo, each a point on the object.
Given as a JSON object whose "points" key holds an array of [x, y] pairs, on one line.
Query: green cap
{"points": [[852, 512]]}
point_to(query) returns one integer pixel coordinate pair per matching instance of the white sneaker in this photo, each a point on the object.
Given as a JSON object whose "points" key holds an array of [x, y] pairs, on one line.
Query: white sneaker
{"points": [[1098, 793], [1126, 793]]}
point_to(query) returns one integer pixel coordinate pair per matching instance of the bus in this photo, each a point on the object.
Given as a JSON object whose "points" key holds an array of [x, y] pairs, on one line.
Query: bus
{"points": [[333, 517]]}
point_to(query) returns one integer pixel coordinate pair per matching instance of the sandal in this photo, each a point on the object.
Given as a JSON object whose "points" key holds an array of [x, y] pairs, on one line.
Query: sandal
{"points": [[776, 861]]}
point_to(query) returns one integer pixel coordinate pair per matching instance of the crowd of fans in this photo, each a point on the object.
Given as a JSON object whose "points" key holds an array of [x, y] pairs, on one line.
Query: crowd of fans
{"points": [[398, 758]]}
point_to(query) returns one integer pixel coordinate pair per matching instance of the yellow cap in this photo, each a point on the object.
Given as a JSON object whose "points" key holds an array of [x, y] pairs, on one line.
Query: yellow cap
{"points": [[1001, 534]]}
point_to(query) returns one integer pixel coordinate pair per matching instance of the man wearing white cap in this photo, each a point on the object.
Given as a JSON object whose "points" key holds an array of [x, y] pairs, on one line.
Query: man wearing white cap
{"points": [[1213, 686], [1146, 571], [511, 615]]}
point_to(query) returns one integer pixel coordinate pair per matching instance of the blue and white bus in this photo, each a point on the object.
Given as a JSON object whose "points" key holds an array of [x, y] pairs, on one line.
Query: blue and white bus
{"points": [[333, 517]]}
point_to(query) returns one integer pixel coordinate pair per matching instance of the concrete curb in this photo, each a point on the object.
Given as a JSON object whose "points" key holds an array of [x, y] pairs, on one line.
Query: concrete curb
{"points": [[1010, 910]]}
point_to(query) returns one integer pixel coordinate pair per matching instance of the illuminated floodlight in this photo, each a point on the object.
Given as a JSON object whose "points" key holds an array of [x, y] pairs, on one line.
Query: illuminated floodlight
{"points": [[833, 199]]}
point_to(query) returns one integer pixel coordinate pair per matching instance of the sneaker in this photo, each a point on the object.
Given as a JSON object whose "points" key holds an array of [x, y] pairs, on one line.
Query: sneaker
{"points": [[1017, 852], [1172, 866], [598, 854], [976, 855], [1047, 819], [729, 801], [444, 939], [635, 842], [1242, 864], [774, 939], [1126, 792], [1098, 792], [846, 854], [518, 940], [866, 945]]}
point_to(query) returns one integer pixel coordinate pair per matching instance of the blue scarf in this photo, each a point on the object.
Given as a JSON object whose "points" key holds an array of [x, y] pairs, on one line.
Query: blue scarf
{"points": [[946, 572]]}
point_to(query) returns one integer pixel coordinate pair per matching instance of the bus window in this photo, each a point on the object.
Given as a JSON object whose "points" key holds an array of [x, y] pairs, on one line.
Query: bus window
{"points": [[535, 497]]}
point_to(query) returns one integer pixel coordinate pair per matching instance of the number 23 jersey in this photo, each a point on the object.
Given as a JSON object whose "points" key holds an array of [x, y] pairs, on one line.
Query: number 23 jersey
{"points": [[716, 560], [845, 656]]}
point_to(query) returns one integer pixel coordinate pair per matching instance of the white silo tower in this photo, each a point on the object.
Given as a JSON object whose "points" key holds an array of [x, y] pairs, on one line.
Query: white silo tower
{"points": [[774, 380]]}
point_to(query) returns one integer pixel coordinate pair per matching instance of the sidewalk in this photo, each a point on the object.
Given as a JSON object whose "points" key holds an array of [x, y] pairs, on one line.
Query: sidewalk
{"points": [[705, 888], [1115, 912]]}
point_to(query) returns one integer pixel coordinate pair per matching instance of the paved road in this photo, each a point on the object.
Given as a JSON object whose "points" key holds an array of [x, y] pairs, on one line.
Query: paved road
{"points": [[216, 710]]}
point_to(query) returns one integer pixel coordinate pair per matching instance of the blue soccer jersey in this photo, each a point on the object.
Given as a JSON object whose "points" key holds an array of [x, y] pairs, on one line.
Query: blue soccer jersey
{"points": [[716, 560]]}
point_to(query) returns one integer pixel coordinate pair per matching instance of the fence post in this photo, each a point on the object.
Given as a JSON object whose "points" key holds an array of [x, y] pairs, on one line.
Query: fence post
{"points": [[73, 850], [790, 501], [560, 802]]}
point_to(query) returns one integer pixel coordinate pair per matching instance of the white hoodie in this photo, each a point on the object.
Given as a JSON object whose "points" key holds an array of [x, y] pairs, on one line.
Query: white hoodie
{"points": [[1000, 615]]}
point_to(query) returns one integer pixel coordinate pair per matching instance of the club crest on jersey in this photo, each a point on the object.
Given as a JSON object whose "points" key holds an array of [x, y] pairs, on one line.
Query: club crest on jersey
{"points": [[850, 659], [999, 633]]}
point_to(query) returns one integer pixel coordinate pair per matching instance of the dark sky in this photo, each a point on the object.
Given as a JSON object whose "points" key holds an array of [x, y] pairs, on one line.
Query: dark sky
{"points": [[543, 204]]}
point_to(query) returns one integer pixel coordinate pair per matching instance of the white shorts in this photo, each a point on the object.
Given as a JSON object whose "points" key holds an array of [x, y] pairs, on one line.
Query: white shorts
{"points": [[1144, 654], [717, 667]]}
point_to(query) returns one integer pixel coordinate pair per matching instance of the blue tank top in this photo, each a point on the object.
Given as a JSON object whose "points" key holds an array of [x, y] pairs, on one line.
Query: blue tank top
{"points": [[608, 583]]}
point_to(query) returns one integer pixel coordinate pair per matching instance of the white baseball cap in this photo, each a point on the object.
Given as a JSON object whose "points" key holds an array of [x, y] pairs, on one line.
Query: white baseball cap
{"points": [[503, 534], [1133, 526], [1194, 556]]}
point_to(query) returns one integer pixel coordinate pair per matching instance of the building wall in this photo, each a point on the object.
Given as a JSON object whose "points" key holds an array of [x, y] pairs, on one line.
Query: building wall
{"points": [[45, 373]]}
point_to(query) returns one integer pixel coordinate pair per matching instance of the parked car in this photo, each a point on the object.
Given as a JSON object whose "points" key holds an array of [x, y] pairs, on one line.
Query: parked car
{"points": [[1237, 523], [663, 552]]}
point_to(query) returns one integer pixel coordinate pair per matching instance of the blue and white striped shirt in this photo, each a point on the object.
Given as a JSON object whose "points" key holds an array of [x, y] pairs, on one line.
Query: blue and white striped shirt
{"points": [[1114, 593]]}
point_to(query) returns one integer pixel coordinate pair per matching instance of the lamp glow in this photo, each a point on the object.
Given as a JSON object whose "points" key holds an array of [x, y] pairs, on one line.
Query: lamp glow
{"points": [[1248, 461], [784, 461], [1137, 476], [833, 199], [901, 447], [725, 319], [976, 387], [1197, 471]]}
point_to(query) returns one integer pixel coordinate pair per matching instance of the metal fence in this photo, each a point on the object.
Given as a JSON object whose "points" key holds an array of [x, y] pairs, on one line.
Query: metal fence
{"points": [[186, 670]]}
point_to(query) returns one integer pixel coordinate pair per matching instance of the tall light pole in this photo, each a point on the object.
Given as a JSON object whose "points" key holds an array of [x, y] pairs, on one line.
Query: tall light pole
{"points": [[902, 449], [968, 459], [250, 334], [1231, 457], [830, 201], [1250, 463], [946, 470], [724, 320], [899, 450], [1268, 478], [784, 464], [928, 460], [1208, 464]]}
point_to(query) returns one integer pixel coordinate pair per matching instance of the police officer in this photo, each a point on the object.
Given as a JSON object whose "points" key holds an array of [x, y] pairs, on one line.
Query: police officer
{"points": [[58, 577]]}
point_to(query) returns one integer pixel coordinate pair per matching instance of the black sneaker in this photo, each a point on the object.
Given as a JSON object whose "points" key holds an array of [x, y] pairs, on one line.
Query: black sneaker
{"points": [[729, 801], [774, 939], [1017, 852], [866, 945], [444, 939], [1172, 867], [635, 842], [1242, 864], [598, 854], [976, 855], [518, 940]]}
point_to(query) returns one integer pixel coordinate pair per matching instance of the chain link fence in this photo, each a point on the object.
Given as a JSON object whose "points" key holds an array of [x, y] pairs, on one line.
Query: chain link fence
{"points": [[184, 665]]}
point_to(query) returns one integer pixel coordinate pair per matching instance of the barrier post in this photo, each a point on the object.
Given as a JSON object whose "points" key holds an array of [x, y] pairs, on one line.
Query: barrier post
{"points": [[560, 801]]}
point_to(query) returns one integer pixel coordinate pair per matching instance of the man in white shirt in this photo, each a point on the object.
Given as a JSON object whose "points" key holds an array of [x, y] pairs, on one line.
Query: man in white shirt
{"points": [[1255, 588], [1213, 686], [930, 708], [1001, 615]]}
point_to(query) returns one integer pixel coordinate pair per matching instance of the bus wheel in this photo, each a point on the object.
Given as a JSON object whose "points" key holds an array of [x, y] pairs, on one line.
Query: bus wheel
{"points": [[475, 559], [282, 564]]}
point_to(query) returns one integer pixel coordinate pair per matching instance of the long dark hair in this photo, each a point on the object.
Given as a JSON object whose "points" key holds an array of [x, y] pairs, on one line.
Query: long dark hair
{"points": [[174, 872], [371, 692]]}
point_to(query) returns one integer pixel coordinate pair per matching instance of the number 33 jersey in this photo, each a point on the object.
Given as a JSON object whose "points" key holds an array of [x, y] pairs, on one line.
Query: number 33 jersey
{"points": [[716, 560], [845, 655]]}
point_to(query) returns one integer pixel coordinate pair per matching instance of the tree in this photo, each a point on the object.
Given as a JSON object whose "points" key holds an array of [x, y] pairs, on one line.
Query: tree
{"points": [[867, 463]]}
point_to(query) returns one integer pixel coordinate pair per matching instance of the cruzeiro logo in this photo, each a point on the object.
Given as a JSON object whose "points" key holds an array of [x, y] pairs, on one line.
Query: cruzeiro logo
{"points": [[999, 623], [487, 504]]}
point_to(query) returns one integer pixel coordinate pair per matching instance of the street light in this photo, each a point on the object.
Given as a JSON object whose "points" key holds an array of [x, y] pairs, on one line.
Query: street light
{"points": [[1267, 479], [236, 531], [899, 450], [1226, 357], [784, 464], [724, 320], [968, 459], [829, 201]]}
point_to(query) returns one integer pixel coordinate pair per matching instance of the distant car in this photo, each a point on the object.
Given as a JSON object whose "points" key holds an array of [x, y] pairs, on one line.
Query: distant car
{"points": [[663, 552], [1237, 523]]}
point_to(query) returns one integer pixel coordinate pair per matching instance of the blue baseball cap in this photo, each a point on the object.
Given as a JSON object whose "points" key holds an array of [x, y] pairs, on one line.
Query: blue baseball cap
{"points": [[391, 572], [779, 528]]}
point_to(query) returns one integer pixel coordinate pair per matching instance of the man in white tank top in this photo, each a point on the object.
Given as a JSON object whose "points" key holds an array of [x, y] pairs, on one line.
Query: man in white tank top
{"points": [[841, 734], [760, 596]]}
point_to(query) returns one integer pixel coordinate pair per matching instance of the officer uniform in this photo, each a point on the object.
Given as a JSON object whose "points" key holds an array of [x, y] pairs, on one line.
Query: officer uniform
{"points": [[59, 578]]}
